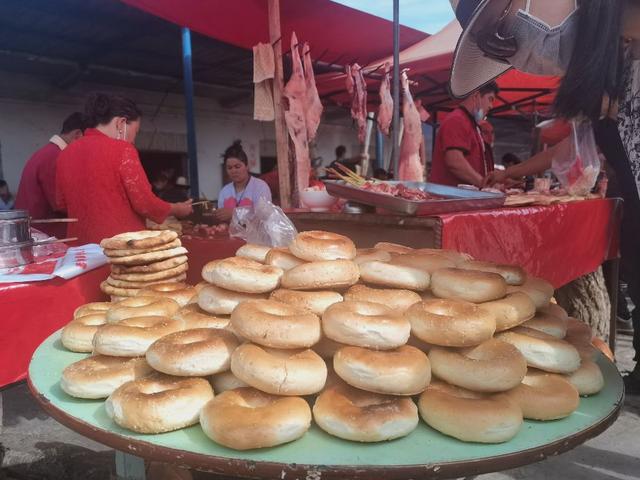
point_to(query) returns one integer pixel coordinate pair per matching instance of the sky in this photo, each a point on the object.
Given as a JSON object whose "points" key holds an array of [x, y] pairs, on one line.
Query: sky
{"points": [[426, 15]]}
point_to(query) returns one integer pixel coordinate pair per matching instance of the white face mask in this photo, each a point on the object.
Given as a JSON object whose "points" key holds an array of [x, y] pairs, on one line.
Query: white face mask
{"points": [[479, 115]]}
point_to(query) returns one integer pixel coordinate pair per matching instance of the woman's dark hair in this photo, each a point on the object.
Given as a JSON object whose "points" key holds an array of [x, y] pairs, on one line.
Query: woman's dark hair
{"points": [[595, 68], [510, 159], [235, 151], [102, 107]]}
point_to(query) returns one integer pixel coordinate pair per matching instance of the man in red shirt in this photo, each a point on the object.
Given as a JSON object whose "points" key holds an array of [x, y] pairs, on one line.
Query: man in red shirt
{"points": [[37, 190], [459, 155]]}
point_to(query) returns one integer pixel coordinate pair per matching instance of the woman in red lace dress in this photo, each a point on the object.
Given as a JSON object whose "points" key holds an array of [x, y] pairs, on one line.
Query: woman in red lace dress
{"points": [[100, 180]]}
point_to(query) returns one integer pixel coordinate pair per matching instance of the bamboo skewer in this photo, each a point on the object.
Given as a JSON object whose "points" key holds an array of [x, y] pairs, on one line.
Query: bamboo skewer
{"points": [[344, 178], [54, 220], [55, 240]]}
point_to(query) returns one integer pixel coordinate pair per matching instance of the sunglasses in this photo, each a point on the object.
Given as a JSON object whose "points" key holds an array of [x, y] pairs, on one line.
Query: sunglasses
{"points": [[493, 43]]}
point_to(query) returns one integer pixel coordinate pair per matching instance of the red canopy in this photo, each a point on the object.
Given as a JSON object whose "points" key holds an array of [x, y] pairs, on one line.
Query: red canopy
{"points": [[429, 63], [335, 32], [340, 34]]}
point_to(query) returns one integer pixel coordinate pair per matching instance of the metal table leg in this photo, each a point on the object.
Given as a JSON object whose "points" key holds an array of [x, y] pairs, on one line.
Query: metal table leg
{"points": [[129, 467]]}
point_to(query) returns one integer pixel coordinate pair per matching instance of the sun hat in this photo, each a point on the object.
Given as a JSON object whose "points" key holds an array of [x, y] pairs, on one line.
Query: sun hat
{"points": [[472, 68]]}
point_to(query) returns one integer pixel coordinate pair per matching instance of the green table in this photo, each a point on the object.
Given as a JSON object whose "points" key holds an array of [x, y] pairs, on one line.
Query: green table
{"points": [[423, 454]]}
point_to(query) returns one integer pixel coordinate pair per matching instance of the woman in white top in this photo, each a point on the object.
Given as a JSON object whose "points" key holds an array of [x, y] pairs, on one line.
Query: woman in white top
{"points": [[243, 190]]}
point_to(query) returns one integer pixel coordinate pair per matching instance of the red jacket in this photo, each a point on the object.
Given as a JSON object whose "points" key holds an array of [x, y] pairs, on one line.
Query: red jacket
{"points": [[101, 182], [37, 190]]}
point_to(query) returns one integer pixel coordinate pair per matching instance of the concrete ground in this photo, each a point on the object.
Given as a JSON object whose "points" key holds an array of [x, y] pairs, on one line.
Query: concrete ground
{"points": [[34, 446]]}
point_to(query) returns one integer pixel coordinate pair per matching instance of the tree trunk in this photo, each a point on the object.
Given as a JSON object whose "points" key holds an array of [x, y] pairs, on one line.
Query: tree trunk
{"points": [[587, 299]]}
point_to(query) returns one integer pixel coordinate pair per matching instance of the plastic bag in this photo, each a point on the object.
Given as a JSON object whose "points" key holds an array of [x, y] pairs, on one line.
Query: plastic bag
{"points": [[577, 165], [262, 224]]}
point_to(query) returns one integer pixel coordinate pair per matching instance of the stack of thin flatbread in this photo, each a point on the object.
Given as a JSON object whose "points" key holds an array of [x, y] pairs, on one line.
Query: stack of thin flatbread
{"points": [[533, 198], [171, 223], [140, 259]]}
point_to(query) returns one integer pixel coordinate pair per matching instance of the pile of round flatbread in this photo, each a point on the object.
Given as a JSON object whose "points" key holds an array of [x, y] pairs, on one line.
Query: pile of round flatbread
{"points": [[140, 259]]}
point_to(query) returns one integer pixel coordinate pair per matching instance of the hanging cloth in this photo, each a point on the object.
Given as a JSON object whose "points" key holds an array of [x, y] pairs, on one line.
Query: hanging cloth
{"points": [[264, 68]]}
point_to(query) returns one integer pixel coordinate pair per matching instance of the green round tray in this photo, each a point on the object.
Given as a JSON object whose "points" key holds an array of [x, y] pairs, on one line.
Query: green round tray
{"points": [[425, 453]]}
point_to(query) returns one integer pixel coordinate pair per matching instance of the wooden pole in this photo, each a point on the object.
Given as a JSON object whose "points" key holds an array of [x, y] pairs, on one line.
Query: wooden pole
{"points": [[395, 149], [282, 135]]}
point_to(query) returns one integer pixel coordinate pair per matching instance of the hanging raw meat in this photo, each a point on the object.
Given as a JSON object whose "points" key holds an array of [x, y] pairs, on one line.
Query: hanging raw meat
{"points": [[314, 105], [295, 90], [385, 112], [410, 168], [424, 114], [359, 102], [349, 79]]}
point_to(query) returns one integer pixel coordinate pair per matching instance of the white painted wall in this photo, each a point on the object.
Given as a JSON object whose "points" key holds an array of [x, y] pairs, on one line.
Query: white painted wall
{"points": [[31, 111]]}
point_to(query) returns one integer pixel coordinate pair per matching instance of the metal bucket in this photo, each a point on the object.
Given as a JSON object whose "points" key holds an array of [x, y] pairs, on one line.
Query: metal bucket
{"points": [[15, 227]]}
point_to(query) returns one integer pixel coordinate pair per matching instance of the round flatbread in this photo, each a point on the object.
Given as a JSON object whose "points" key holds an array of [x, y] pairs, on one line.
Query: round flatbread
{"points": [[114, 282], [126, 252], [149, 277], [147, 258], [151, 267], [141, 239], [118, 292]]}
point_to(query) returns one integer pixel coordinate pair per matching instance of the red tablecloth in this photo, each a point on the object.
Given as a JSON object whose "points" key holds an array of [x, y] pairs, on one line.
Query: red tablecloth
{"points": [[203, 250], [559, 243], [30, 312]]}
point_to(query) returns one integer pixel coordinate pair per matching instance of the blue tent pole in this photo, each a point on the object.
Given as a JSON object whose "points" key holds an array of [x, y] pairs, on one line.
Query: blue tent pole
{"points": [[379, 149], [191, 121]]}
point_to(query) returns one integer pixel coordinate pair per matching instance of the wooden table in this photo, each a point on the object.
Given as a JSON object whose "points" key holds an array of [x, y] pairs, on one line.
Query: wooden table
{"points": [[424, 453]]}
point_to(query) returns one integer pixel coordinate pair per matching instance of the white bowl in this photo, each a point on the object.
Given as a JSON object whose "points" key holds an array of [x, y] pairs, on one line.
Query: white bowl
{"points": [[317, 200]]}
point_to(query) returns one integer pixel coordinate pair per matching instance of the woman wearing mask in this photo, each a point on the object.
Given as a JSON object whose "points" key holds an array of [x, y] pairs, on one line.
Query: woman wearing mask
{"points": [[243, 190], [100, 180], [594, 45]]}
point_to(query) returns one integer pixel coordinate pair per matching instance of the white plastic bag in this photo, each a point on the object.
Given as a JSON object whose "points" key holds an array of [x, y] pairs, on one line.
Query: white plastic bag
{"points": [[262, 224], [577, 166]]}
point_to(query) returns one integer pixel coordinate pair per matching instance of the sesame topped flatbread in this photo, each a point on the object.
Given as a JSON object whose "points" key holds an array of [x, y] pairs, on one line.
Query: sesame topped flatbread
{"points": [[150, 257], [118, 292], [151, 267], [148, 277], [126, 252], [114, 282], [141, 239]]}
